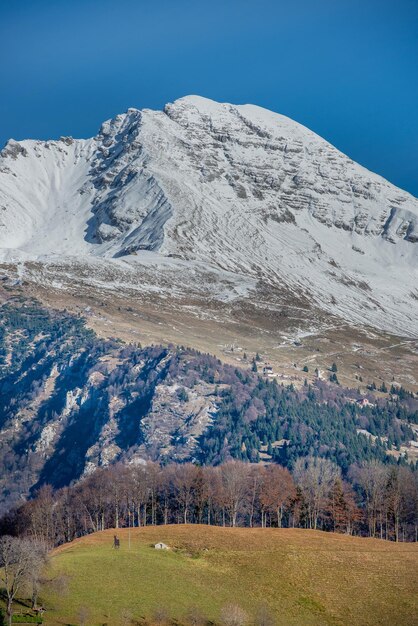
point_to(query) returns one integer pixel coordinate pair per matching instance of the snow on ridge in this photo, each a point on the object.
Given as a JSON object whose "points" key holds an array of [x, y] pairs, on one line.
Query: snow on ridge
{"points": [[234, 187]]}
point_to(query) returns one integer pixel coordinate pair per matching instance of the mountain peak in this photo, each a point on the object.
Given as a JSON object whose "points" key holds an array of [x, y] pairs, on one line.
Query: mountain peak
{"points": [[236, 188], [200, 102]]}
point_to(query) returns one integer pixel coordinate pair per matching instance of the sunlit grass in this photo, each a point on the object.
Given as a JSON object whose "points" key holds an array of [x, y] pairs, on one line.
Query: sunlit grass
{"points": [[306, 577]]}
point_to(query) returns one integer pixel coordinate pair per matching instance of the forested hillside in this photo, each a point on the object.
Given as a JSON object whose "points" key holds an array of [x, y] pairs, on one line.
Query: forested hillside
{"points": [[71, 402]]}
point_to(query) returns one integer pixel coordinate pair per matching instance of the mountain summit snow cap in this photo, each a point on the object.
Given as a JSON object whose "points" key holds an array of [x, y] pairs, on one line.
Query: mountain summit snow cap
{"points": [[239, 190]]}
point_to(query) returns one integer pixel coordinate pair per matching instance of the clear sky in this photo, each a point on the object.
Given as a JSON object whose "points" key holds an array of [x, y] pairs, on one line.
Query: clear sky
{"points": [[347, 69]]}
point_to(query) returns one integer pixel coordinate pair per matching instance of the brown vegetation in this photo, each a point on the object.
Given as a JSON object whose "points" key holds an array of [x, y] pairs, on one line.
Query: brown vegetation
{"points": [[384, 504]]}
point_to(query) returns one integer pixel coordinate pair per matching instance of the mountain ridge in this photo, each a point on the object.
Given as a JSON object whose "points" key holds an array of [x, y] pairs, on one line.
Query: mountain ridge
{"points": [[233, 188]]}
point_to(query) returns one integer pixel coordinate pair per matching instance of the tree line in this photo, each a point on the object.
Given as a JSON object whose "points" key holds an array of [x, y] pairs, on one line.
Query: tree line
{"points": [[377, 501], [53, 358]]}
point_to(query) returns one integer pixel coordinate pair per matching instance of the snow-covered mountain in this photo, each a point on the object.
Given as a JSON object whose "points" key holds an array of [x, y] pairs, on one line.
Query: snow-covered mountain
{"points": [[238, 194]]}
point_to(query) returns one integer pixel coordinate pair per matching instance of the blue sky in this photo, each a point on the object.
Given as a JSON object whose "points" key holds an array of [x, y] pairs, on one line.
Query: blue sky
{"points": [[347, 69]]}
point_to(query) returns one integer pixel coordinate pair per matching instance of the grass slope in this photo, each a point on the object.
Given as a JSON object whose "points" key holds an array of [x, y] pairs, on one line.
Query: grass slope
{"points": [[306, 577]]}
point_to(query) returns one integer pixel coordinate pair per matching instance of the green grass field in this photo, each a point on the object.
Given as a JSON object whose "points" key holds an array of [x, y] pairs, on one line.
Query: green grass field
{"points": [[306, 577]]}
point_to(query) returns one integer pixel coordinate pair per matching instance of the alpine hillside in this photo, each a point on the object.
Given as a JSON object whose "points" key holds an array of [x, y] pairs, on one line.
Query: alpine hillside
{"points": [[213, 203], [72, 402]]}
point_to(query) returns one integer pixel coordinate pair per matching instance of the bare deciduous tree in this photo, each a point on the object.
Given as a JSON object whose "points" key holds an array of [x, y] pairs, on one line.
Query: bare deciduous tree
{"points": [[43, 521], [185, 482], [315, 477], [16, 562], [372, 477], [234, 481], [39, 555], [277, 489]]}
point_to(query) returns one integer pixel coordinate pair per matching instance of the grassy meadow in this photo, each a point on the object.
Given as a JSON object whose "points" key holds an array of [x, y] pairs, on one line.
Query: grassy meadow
{"points": [[305, 577]]}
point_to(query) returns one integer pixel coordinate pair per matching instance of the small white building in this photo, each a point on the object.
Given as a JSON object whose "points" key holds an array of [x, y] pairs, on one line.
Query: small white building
{"points": [[365, 402], [161, 546]]}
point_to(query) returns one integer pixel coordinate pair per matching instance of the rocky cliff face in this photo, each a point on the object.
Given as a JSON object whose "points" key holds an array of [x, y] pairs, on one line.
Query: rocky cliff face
{"points": [[236, 189], [71, 402]]}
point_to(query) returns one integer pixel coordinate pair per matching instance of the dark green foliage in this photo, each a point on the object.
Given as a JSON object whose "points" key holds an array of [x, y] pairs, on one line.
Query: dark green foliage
{"points": [[182, 395], [401, 392], [309, 425], [250, 411]]}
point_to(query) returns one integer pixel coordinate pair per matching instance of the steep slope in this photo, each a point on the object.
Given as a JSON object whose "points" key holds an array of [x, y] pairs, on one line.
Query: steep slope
{"points": [[71, 402], [236, 193]]}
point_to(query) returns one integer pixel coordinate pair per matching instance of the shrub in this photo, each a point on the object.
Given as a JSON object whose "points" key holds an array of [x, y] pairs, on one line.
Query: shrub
{"points": [[233, 615], [195, 617], [160, 616], [264, 616]]}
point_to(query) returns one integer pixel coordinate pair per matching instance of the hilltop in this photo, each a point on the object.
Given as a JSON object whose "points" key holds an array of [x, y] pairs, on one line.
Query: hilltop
{"points": [[306, 577]]}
